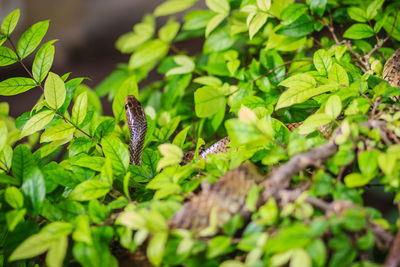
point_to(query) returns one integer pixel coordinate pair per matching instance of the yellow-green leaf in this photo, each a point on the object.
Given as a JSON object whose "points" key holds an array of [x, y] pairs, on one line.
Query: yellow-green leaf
{"points": [[129, 87], [37, 122], [43, 61], [57, 251], [54, 91], [58, 132], [156, 248], [3, 135], [90, 189], [172, 154], [173, 6], [31, 38], [80, 108], [16, 85], [33, 246], [313, 122], [9, 22]]}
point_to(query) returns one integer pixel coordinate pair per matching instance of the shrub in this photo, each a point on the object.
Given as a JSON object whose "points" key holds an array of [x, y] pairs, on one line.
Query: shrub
{"points": [[67, 188]]}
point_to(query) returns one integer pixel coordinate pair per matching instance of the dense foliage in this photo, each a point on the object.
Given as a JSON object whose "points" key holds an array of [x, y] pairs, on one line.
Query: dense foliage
{"points": [[67, 188]]}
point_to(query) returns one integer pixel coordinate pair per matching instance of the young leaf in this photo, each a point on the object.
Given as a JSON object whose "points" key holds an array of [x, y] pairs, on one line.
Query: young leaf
{"points": [[337, 74], [58, 132], [214, 22], [16, 85], [117, 152], [33, 246], [355, 180], [31, 38], [256, 23], [359, 31], [357, 14], [149, 52], [88, 190], [54, 91], [129, 87], [7, 56], [173, 6], [9, 22], [57, 251], [298, 95], [3, 135], [14, 197], [313, 122], [43, 61], [180, 138], [80, 108], [322, 61], [172, 154], [156, 248], [186, 65], [264, 5], [208, 100], [218, 246], [333, 106], [219, 6], [37, 122], [168, 32]]}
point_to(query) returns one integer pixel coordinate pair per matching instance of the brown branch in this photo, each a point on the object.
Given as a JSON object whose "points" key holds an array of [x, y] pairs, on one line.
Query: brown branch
{"points": [[379, 45], [393, 258]]}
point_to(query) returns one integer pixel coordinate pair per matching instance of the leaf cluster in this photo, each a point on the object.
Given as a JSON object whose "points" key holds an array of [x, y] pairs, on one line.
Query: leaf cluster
{"points": [[67, 188]]}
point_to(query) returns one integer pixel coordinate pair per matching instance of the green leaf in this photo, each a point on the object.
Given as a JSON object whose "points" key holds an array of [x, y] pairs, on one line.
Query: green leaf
{"points": [[300, 258], [80, 108], [256, 23], [57, 251], [357, 14], [298, 95], [241, 132], [264, 5], [337, 74], [219, 6], [14, 197], [9, 22], [58, 132], [333, 106], [31, 38], [359, 31], [33, 246], [156, 248], [302, 26], [317, 6], [322, 61], [302, 80], [214, 22], [106, 174], [368, 163], [149, 52], [129, 87], [14, 217], [91, 162], [355, 180], [208, 100], [186, 65], [16, 85], [217, 246], [82, 231], [168, 32], [22, 162], [3, 135], [7, 56], [54, 91], [172, 154], [373, 8], [179, 139], [117, 152], [387, 163], [252, 198], [313, 122], [37, 122], [89, 190], [173, 6], [43, 61], [34, 189]]}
